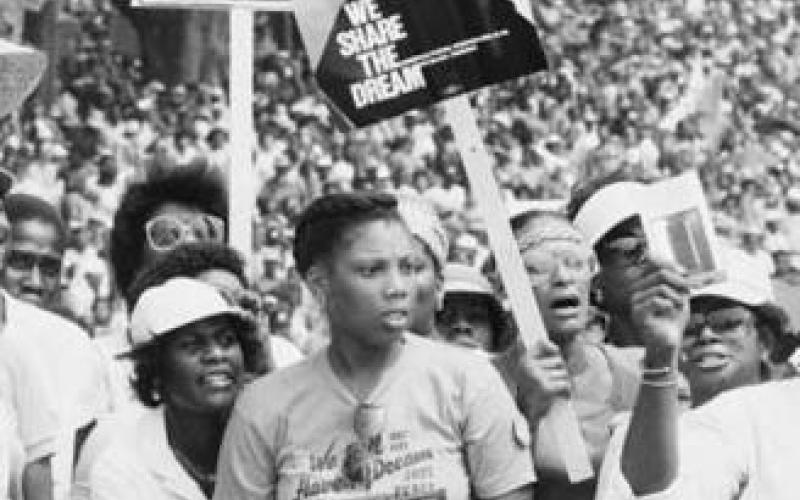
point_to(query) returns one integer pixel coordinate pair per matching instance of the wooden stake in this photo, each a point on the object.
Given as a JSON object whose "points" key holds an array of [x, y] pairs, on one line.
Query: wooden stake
{"points": [[561, 419], [241, 201]]}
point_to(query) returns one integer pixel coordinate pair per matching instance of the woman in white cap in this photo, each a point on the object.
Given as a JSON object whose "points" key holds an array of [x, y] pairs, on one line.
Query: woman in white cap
{"points": [[743, 444], [380, 413], [191, 349], [472, 315], [733, 329]]}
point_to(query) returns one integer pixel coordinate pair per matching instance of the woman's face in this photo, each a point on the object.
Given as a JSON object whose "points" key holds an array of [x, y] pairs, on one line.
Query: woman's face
{"points": [[560, 273], [428, 290], [466, 320], [369, 283], [203, 366], [721, 347]]}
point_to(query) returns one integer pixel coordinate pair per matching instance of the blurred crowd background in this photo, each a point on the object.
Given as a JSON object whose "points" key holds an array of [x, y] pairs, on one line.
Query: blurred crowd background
{"points": [[652, 88]]}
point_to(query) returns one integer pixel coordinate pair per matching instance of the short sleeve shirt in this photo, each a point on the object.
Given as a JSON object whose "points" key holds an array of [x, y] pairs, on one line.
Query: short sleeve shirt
{"points": [[440, 424]]}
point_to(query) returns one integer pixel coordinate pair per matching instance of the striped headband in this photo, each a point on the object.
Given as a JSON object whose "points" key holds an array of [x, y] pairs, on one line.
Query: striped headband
{"points": [[544, 229]]}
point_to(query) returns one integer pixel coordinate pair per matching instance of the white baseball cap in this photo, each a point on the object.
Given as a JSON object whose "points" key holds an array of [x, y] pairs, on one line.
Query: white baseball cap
{"points": [[608, 207], [176, 303]]}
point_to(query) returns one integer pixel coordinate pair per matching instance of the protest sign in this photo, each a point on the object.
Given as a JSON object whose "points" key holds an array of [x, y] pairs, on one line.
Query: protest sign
{"points": [[375, 59], [679, 228], [260, 5]]}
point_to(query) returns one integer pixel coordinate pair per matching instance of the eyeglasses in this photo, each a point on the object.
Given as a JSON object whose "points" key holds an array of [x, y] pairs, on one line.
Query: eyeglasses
{"points": [[21, 260], [541, 267], [165, 232], [628, 250], [720, 321]]}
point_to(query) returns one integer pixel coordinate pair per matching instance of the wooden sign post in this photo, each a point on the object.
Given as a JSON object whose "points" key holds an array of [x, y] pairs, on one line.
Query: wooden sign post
{"points": [[241, 195], [561, 420]]}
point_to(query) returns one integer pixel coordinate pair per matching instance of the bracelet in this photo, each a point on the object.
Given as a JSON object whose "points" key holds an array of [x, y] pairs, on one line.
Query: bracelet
{"points": [[669, 382], [656, 372]]}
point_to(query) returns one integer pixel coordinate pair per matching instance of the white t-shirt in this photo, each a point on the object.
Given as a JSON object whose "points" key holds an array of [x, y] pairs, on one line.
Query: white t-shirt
{"points": [[445, 427], [12, 455], [26, 390], [75, 372], [743, 445]]}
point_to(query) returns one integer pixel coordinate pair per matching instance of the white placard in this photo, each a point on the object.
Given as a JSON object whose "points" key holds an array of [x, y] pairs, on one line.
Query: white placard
{"points": [[678, 227]]}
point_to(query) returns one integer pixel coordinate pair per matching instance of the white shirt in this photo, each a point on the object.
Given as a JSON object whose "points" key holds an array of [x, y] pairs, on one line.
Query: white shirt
{"points": [[139, 465], [26, 390], [744, 445], [11, 455], [75, 371]]}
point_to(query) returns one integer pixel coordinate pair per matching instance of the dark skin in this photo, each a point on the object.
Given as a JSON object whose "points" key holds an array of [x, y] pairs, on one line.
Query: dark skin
{"points": [[620, 254], [203, 375]]}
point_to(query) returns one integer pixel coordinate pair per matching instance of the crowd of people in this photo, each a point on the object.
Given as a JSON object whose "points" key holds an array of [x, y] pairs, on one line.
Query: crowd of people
{"points": [[135, 341]]}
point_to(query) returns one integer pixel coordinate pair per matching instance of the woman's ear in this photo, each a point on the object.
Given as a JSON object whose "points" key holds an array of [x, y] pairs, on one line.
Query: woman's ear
{"points": [[318, 284]]}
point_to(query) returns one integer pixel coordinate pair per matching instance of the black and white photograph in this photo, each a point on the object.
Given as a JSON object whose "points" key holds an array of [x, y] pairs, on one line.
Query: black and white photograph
{"points": [[399, 249]]}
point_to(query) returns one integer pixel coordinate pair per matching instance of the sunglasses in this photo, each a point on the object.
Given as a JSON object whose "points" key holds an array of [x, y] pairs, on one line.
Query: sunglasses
{"points": [[368, 423], [720, 321], [165, 232], [629, 250], [20, 260]]}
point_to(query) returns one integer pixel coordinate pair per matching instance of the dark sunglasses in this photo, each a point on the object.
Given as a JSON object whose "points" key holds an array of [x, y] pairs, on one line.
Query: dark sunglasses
{"points": [[720, 321], [629, 250], [21, 260]]}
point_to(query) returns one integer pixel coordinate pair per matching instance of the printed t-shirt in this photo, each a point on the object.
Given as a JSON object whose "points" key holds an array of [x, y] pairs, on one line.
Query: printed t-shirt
{"points": [[441, 425]]}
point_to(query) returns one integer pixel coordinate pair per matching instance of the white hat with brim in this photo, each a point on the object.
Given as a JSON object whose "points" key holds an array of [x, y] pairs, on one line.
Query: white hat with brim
{"points": [[20, 71], [608, 207], [460, 278], [746, 279], [178, 302]]}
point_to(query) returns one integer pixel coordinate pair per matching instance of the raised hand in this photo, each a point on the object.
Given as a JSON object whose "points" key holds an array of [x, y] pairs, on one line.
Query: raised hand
{"points": [[660, 309], [541, 377]]}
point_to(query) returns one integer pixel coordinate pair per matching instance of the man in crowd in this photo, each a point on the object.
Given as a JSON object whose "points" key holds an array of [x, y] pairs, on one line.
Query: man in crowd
{"points": [[31, 282], [32, 270], [602, 209]]}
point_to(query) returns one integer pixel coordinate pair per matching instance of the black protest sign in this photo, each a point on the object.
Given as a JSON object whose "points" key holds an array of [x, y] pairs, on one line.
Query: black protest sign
{"points": [[385, 57]]}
